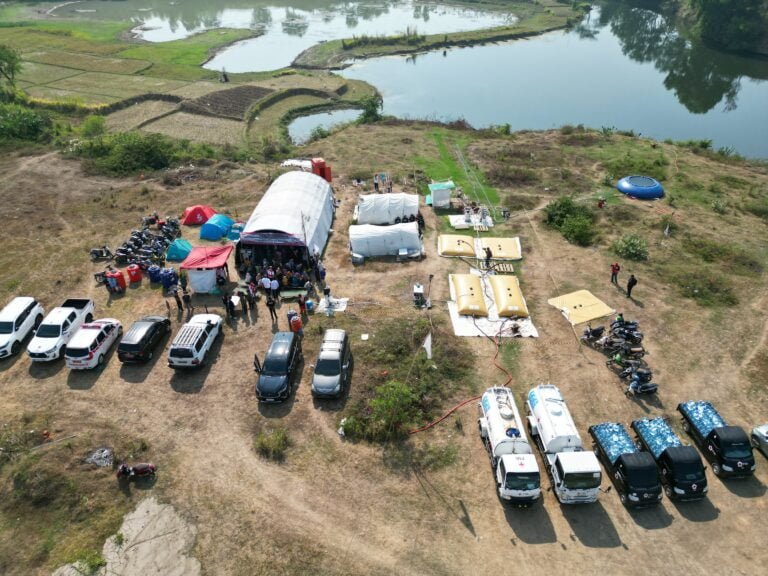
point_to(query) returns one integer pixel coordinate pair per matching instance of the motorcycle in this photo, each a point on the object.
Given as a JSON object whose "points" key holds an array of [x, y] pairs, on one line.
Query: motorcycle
{"points": [[619, 322], [612, 345], [591, 335], [143, 470], [630, 335], [640, 382], [101, 253]]}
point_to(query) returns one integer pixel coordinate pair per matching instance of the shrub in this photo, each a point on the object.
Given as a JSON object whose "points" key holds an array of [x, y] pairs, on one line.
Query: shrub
{"points": [[371, 106], [87, 561], [631, 247], [93, 126], [272, 444], [646, 164], [720, 206], [574, 221], [578, 230], [20, 123], [318, 133]]}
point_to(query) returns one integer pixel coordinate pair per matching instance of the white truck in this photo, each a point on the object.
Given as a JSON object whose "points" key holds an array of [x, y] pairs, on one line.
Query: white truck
{"points": [[58, 327], [575, 473], [512, 460]]}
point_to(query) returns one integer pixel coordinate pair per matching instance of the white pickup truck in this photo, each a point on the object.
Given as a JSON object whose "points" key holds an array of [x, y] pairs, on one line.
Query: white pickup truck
{"points": [[57, 328]]}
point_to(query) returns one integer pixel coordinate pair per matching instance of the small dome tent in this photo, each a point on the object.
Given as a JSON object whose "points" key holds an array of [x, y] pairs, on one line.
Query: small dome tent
{"points": [[178, 250], [642, 187], [196, 215], [216, 227]]}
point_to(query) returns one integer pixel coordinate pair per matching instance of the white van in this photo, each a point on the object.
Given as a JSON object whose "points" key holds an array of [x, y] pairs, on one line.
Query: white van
{"points": [[194, 340], [90, 344], [17, 321]]}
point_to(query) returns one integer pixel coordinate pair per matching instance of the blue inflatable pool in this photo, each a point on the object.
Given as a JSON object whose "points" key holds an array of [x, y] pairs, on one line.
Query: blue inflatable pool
{"points": [[641, 187]]}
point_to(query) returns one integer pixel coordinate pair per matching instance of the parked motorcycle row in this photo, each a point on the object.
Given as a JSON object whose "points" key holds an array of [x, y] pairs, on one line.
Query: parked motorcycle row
{"points": [[145, 247], [622, 342]]}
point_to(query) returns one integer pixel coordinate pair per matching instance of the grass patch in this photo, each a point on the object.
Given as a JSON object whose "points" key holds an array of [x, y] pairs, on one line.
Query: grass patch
{"points": [[653, 164], [708, 288], [88, 62], [272, 444], [732, 258]]}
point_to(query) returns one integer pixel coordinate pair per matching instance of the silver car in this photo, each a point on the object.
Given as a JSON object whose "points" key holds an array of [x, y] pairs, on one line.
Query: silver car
{"points": [[759, 439]]}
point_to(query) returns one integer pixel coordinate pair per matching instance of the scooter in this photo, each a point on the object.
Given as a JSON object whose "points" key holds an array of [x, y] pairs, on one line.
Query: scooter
{"points": [[101, 253], [592, 335], [629, 334], [143, 470]]}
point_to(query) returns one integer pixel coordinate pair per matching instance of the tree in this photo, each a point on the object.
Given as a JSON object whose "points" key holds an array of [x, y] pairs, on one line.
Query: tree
{"points": [[10, 65], [371, 109]]}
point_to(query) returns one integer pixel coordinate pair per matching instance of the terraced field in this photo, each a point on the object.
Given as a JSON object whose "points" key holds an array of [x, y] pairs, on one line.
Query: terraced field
{"points": [[88, 62], [116, 85], [135, 116], [199, 128], [232, 103]]}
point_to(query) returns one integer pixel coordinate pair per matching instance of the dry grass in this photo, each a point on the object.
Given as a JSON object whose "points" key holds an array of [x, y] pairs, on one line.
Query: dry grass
{"points": [[55, 95], [197, 89], [88, 62], [133, 116], [117, 85], [35, 73], [199, 128], [230, 103], [268, 121]]}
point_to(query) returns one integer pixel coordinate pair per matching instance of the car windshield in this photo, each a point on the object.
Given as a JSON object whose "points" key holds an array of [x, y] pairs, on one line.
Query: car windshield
{"points": [[327, 367], [128, 347], [522, 481], [582, 480], [6, 327], [737, 451], [48, 331], [275, 366], [688, 471], [645, 478], [77, 352]]}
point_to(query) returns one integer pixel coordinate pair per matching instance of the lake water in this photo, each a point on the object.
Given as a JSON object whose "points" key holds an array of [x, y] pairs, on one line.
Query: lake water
{"points": [[301, 129], [623, 68]]}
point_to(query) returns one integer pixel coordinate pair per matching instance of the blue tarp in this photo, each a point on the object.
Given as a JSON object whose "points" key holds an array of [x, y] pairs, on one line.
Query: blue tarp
{"points": [[447, 185], [657, 434], [702, 415], [216, 227], [178, 250], [614, 440]]}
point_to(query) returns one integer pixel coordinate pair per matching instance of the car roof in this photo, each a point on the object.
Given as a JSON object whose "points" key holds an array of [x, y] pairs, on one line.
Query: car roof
{"points": [[139, 328], [281, 344], [87, 333], [203, 319], [15, 307], [683, 454], [732, 434], [58, 315], [638, 460], [333, 335]]}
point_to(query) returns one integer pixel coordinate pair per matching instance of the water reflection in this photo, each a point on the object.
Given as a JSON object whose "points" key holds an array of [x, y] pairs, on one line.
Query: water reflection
{"points": [[700, 77]]}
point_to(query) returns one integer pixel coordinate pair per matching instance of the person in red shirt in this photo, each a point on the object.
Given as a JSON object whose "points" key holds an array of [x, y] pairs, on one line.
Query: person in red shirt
{"points": [[615, 268]]}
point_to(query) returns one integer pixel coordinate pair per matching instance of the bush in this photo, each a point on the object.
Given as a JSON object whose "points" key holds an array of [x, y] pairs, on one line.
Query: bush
{"points": [[93, 126], [654, 165], [20, 123], [126, 152], [87, 561], [574, 221], [272, 444], [631, 247], [578, 230], [371, 106]]}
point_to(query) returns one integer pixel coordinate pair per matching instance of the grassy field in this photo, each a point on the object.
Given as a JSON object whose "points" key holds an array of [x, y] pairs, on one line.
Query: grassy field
{"points": [[89, 63], [199, 128], [132, 117]]}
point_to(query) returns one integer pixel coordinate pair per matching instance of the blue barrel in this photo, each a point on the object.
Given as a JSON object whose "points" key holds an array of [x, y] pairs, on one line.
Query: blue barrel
{"points": [[154, 273]]}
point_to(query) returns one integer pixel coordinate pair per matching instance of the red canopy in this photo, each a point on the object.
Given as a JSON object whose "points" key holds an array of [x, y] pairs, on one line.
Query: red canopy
{"points": [[207, 258], [197, 214]]}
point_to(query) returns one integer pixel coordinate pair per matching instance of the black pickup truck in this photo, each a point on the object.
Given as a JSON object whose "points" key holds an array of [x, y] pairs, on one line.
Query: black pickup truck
{"points": [[682, 471], [633, 473], [727, 448]]}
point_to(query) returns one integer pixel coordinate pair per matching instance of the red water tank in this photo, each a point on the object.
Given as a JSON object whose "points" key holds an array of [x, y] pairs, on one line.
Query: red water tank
{"points": [[134, 273], [119, 278], [327, 174], [318, 167], [296, 324]]}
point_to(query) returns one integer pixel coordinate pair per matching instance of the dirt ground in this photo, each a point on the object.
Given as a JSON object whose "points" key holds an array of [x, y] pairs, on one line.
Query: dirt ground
{"points": [[335, 507]]}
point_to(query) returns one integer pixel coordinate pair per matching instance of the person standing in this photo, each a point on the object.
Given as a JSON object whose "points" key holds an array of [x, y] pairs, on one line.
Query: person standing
{"points": [[179, 304], [225, 302], [631, 283], [243, 303], [488, 256], [274, 288], [615, 269], [266, 284], [302, 305], [186, 297], [271, 306]]}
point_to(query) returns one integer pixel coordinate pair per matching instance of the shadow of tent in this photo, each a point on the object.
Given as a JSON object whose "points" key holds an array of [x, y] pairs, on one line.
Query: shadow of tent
{"points": [[592, 526]]}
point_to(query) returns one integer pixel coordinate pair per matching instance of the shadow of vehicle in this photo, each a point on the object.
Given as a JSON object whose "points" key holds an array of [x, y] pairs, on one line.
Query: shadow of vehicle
{"points": [[86, 379], [750, 487], [530, 524], [136, 373], [698, 510], [280, 409], [146, 483], [191, 380], [10, 361], [652, 518], [591, 525], [42, 370]]}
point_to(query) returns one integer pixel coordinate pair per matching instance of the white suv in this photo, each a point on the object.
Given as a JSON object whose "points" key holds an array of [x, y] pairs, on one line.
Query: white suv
{"points": [[194, 340], [90, 344], [17, 320]]}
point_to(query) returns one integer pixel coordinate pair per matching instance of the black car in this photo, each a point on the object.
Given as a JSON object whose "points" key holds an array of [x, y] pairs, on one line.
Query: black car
{"points": [[332, 369], [275, 381], [139, 342]]}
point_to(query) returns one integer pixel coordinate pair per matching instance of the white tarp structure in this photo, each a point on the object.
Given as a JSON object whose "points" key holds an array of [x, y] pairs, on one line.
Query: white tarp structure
{"points": [[369, 240], [386, 208], [296, 210]]}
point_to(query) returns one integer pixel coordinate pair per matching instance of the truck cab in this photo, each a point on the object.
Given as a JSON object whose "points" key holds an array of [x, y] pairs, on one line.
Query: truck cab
{"points": [[574, 478], [518, 479], [727, 448]]}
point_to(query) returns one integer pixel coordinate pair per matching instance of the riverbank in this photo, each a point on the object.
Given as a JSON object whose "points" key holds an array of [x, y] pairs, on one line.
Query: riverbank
{"points": [[545, 16]]}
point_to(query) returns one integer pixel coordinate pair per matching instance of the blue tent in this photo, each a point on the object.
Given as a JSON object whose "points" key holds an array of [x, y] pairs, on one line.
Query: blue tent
{"points": [[178, 250], [216, 227]]}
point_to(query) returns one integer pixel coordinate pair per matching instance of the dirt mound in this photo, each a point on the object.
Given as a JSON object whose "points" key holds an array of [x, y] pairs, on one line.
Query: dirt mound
{"points": [[232, 103]]}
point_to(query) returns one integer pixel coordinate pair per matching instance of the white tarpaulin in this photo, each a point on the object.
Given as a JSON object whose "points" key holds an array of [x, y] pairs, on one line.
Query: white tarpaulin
{"points": [[369, 240], [202, 281], [386, 208]]}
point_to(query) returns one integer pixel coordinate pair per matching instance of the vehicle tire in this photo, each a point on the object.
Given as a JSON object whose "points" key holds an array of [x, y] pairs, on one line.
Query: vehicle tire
{"points": [[38, 320], [88, 317], [754, 441], [119, 331], [716, 470], [623, 498], [150, 354], [15, 348], [100, 361], [686, 426], [668, 492], [60, 354]]}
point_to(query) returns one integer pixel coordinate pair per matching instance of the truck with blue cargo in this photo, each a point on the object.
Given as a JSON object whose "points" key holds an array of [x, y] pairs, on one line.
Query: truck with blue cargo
{"points": [[514, 466], [727, 448], [682, 471], [575, 473], [632, 472]]}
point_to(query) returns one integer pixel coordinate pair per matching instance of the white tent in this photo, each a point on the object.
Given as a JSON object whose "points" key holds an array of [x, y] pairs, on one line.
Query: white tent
{"points": [[369, 240], [296, 210], [386, 208]]}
